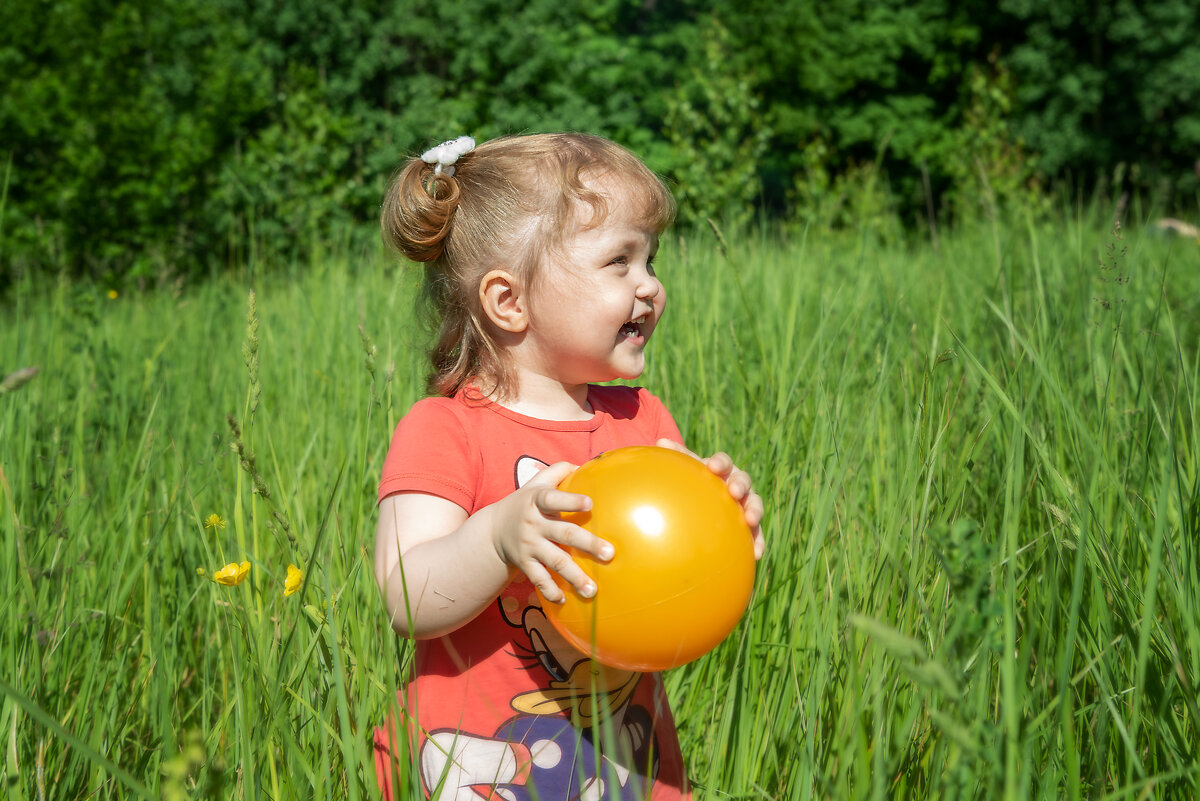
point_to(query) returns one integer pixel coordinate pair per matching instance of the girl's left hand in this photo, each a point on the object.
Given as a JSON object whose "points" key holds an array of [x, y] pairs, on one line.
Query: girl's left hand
{"points": [[740, 489]]}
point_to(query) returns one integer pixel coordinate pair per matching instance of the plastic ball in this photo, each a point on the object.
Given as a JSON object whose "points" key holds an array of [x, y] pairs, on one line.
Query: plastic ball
{"points": [[683, 568]]}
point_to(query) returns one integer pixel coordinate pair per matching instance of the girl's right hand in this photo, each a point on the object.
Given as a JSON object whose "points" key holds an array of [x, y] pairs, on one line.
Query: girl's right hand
{"points": [[530, 534]]}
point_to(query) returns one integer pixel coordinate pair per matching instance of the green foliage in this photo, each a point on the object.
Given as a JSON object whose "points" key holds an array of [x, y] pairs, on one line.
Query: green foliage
{"points": [[989, 169], [183, 135], [1101, 84], [854, 76], [149, 140], [116, 116], [857, 198], [717, 136]]}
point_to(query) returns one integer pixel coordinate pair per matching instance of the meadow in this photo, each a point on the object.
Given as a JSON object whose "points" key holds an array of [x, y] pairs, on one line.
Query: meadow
{"points": [[980, 462]]}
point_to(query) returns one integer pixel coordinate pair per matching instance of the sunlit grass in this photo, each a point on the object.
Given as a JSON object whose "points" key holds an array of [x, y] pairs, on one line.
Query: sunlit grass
{"points": [[980, 469]]}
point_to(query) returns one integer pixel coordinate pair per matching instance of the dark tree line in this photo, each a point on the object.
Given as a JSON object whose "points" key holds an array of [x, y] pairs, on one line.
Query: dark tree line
{"points": [[183, 135]]}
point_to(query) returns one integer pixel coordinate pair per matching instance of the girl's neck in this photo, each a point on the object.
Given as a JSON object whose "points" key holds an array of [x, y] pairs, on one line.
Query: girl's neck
{"points": [[547, 399]]}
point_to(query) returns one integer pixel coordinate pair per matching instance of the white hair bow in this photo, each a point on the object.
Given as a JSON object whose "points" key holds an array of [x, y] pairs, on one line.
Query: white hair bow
{"points": [[445, 154]]}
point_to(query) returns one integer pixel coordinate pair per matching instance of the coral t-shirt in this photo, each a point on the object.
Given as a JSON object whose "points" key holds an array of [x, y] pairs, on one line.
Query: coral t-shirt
{"points": [[503, 707]]}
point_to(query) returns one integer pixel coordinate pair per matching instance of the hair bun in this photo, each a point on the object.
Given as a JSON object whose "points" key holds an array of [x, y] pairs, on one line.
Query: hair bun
{"points": [[418, 210]]}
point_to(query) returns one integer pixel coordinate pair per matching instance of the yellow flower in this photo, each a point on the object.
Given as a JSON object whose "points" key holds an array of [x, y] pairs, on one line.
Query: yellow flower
{"points": [[295, 576], [214, 521], [112, 294], [232, 574]]}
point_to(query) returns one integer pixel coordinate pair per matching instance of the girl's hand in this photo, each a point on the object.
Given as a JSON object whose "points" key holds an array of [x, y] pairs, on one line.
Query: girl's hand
{"points": [[740, 489], [529, 534]]}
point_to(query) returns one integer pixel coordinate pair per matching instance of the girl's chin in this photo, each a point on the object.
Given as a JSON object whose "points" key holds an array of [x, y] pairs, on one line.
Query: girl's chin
{"points": [[634, 371]]}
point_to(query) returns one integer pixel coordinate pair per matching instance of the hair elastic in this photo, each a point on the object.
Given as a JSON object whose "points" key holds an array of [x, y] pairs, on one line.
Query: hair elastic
{"points": [[445, 154]]}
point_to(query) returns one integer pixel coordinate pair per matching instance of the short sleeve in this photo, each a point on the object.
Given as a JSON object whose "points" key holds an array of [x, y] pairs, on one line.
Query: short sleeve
{"points": [[431, 453]]}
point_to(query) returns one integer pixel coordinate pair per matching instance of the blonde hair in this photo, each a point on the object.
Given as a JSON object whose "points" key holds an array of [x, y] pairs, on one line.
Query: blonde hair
{"points": [[510, 203]]}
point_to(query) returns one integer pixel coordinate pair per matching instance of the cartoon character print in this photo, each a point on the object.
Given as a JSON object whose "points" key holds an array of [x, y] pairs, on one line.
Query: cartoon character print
{"points": [[547, 750]]}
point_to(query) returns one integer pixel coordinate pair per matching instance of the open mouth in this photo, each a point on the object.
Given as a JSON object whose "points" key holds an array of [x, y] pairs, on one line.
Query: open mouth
{"points": [[631, 329]]}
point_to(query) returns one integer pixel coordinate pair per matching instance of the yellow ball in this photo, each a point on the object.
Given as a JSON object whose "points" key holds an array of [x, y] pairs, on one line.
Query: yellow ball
{"points": [[683, 570]]}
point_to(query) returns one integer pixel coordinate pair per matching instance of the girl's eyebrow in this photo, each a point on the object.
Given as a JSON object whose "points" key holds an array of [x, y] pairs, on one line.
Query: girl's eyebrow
{"points": [[621, 250], [634, 242]]}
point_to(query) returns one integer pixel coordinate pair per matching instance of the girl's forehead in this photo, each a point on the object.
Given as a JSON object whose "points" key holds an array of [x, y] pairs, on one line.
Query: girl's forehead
{"points": [[616, 221], [614, 186], [618, 201]]}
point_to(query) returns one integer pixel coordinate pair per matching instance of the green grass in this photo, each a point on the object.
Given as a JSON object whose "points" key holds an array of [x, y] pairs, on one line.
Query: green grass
{"points": [[980, 466]]}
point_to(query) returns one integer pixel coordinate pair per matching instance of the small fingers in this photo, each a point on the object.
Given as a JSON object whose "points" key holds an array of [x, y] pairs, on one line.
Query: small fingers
{"points": [[736, 479], [581, 539], [760, 544], [721, 464], [560, 562], [540, 578], [739, 485], [754, 509], [553, 502]]}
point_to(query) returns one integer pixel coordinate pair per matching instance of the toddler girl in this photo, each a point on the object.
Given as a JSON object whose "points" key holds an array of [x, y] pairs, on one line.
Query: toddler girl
{"points": [[539, 258]]}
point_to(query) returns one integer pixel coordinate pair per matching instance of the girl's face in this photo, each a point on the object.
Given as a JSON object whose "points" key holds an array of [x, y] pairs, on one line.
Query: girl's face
{"points": [[597, 302]]}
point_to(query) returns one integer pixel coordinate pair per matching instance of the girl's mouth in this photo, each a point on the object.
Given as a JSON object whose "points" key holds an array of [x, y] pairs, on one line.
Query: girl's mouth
{"points": [[631, 329]]}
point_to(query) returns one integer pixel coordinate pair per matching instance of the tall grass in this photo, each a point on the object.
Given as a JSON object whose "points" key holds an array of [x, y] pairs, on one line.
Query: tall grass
{"points": [[979, 464]]}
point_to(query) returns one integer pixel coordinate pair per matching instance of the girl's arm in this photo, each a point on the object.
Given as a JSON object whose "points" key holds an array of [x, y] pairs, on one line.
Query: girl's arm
{"points": [[437, 568]]}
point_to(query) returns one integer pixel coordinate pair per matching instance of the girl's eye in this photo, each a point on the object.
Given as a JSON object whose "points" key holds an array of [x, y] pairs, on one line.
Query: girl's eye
{"points": [[650, 267]]}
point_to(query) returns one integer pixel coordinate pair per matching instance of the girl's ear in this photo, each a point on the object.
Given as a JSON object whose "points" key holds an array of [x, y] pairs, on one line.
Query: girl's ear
{"points": [[503, 302]]}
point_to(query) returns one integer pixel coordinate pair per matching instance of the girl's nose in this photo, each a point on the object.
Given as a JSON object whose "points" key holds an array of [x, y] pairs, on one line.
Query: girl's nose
{"points": [[648, 287]]}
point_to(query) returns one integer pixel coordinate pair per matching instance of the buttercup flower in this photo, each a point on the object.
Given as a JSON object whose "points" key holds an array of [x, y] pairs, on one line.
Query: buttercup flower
{"points": [[232, 574], [214, 521], [295, 577], [113, 294]]}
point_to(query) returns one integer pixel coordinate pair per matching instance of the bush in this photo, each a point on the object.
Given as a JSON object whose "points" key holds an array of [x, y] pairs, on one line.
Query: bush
{"points": [[116, 117], [176, 137]]}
